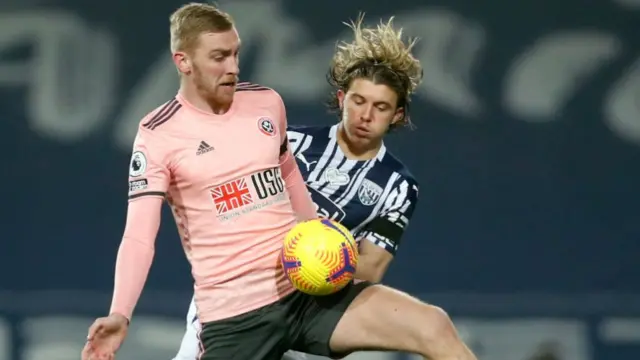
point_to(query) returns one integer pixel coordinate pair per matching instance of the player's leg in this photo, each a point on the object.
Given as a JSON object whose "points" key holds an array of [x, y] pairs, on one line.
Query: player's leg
{"points": [[190, 346], [312, 319], [365, 317], [256, 335], [382, 318]]}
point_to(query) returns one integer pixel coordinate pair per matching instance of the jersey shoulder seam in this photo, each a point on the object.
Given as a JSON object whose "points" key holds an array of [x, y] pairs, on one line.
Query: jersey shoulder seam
{"points": [[163, 114]]}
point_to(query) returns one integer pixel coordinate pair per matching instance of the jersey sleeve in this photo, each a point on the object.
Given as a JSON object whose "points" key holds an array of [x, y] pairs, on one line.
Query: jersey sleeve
{"points": [[299, 196], [282, 128], [135, 254], [387, 228], [298, 139], [148, 170]]}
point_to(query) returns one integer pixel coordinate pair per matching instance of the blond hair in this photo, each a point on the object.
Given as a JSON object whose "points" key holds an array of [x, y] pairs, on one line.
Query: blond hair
{"points": [[379, 54], [191, 20]]}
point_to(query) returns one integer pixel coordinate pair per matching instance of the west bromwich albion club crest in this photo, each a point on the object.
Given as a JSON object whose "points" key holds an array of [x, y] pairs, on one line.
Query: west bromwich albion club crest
{"points": [[369, 192]]}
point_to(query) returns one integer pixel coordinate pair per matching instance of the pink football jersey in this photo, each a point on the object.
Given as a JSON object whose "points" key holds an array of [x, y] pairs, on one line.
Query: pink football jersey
{"points": [[222, 177]]}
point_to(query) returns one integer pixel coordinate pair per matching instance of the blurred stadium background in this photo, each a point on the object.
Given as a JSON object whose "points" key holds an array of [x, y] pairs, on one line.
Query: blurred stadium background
{"points": [[527, 149]]}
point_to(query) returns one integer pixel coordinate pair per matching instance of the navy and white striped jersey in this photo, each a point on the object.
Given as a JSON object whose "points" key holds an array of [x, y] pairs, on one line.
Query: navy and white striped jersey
{"points": [[374, 198]]}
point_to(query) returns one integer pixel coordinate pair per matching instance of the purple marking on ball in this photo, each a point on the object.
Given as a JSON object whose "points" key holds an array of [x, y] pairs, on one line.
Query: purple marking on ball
{"points": [[291, 264], [348, 266], [327, 222]]}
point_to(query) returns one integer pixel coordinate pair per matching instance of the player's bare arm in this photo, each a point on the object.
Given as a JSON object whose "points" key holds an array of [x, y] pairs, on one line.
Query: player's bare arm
{"points": [[373, 261]]}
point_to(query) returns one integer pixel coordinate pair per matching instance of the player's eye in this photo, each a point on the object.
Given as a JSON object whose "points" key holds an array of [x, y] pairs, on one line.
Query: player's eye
{"points": [[358, 101], [217, 56]]}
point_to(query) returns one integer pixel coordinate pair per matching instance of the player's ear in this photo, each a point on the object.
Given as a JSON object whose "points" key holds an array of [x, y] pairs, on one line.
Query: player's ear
{"points": [[340, 95], [398, 117], [183, 64]]}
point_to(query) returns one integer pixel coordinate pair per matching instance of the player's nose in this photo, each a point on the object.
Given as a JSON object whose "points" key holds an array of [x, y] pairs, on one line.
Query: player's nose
{"points": [[367, 114], [233, 67]]}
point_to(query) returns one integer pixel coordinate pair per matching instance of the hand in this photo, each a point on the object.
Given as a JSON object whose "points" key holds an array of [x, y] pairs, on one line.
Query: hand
{"points": [[105, 337]]}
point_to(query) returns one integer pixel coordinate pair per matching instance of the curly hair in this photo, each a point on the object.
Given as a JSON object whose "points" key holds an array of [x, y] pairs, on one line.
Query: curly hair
{"points": [[381, 55]]}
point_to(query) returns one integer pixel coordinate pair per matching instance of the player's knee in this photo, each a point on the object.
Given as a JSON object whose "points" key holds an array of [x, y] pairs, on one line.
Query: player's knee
{"points": [[438, 337], [439, 326]]}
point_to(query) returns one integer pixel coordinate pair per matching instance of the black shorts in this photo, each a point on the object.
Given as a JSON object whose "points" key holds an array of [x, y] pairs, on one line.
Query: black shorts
{"points": [[298, 322]]}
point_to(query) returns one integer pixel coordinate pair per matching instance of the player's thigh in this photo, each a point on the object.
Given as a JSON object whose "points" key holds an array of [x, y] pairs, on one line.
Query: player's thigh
{"points": [[382, 318], [319, 316], [257, 335]]}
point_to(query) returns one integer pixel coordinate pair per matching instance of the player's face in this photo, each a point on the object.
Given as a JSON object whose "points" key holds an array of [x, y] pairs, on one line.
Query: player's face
{"points": [[214, 64], [368, 109]]}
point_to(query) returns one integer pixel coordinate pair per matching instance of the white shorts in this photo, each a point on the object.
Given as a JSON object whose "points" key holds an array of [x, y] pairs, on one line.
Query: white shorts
{"points": [[190, 347]]}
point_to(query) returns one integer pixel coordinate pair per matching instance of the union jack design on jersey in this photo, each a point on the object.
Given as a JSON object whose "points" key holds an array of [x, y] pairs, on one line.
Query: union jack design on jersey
{"points": [[231, 195]]}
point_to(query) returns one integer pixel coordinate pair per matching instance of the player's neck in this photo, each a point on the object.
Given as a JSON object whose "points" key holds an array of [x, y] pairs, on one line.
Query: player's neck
{"points": [[353, 151], [202, 103]]}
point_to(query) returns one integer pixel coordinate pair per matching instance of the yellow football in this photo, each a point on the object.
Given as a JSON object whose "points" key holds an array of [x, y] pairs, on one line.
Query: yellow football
{"points": [[319, 256]]}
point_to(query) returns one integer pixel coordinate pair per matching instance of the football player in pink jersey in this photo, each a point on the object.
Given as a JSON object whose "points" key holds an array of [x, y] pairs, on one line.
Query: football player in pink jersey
{"points": [[219, 155]]}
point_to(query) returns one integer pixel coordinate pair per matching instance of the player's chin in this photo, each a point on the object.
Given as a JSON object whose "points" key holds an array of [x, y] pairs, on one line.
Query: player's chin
{"points": [[361, 139], [226, 91]]}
